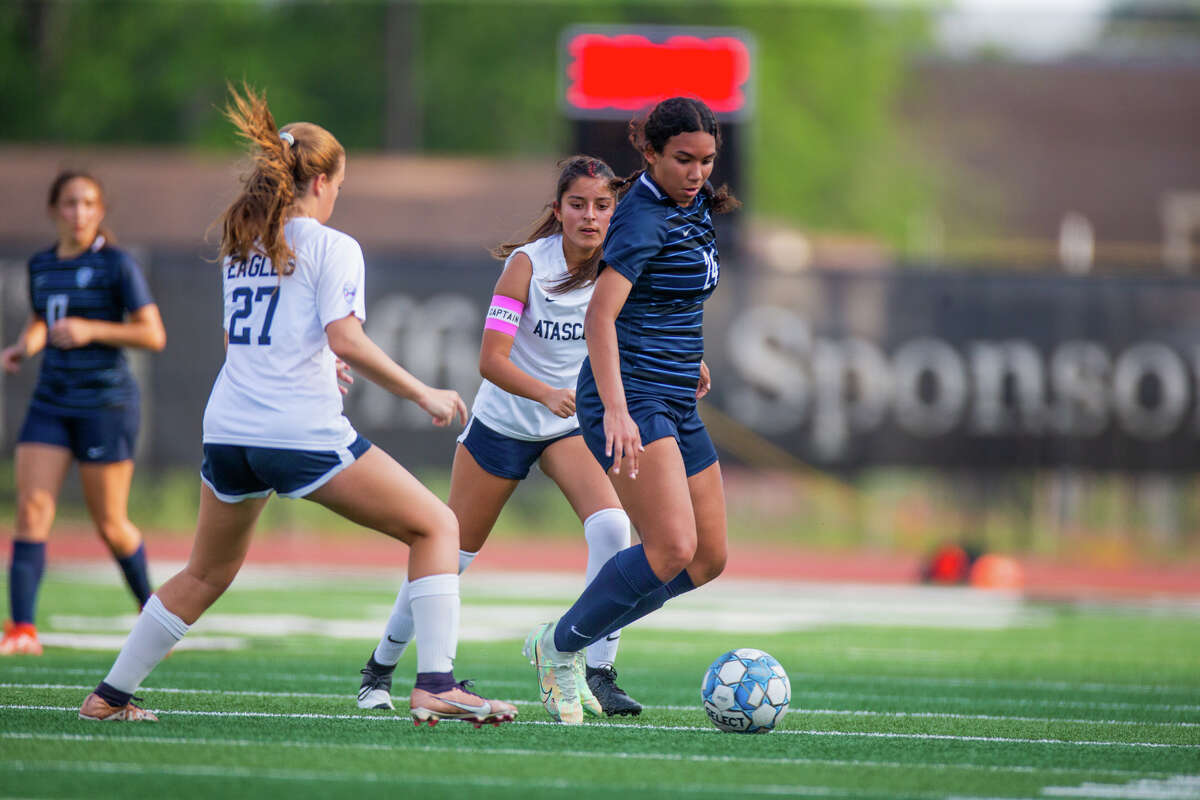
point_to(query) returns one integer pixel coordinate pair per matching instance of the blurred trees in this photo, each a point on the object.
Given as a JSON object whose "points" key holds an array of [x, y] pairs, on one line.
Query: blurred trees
{"points": [[452, 76]]}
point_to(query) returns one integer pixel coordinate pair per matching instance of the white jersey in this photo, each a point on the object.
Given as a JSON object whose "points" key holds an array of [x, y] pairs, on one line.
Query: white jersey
{"points": [[278, 387], [548, 345]]}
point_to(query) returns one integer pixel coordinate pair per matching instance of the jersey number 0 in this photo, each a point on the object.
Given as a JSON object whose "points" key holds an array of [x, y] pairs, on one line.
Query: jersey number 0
{"points": [[248, 298]]}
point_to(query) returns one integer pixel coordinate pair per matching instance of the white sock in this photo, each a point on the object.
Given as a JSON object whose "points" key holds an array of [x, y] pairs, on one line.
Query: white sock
{"points": [[435, 610], [154, 634], [399, 630], [607, 533]]}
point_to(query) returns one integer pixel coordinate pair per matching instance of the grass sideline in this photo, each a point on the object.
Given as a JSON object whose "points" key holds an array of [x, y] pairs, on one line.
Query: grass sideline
{"points": [[1086, 702]]}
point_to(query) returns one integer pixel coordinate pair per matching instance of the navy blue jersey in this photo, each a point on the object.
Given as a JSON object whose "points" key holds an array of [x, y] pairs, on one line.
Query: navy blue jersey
{"points": [[101, 283], [669, 254]]}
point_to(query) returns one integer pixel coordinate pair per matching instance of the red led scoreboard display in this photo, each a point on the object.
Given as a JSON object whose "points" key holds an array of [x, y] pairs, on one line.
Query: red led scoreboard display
{"points": [[610, 73]]}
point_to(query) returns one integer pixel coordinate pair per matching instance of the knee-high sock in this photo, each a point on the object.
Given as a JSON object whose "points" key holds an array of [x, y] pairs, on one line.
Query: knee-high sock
{"points": [[624, 580], [154, 634], [435, 608], [607, 533], [24, 577], [652, 602], [134, 568], [399, 629]]}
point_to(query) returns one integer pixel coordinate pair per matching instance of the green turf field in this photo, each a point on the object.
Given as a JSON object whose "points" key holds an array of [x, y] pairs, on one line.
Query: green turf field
{"points": [[1033, 702]]}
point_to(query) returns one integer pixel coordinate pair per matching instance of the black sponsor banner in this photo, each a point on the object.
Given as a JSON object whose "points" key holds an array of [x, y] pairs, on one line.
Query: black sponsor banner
{"points": [[966, 370], [840, 370]]}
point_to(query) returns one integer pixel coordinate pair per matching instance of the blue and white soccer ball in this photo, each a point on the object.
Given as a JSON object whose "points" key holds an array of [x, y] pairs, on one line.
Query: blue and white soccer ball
{"points": [[746, 691]]}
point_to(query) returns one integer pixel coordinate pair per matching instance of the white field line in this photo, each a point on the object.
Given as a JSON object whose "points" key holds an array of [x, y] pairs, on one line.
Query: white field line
{"points": [[1017, 701], [1176, 787], [778, 606], [325, 776], [796, 678], [596, 754], [999, 683], [646, 727], [795, 710]]}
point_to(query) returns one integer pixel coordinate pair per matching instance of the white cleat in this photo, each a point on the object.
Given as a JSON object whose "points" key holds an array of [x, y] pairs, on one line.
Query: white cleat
{"points": [[556, 676], [376, 688]]}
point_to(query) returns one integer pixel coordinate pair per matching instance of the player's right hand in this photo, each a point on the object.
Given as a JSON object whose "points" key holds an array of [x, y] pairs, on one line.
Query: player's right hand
{"points": [[622, 441], [12, 357], [561, 402]]}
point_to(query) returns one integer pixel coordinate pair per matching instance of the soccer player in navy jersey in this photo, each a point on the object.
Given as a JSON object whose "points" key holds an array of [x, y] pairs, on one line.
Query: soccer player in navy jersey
{"points": [[638, 387], [89, 300]]}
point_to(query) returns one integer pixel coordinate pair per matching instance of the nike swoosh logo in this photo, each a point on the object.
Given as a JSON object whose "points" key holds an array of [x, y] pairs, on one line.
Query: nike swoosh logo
{"points": [[612, 638], [578, 632], [394, 641], [486, 708]]}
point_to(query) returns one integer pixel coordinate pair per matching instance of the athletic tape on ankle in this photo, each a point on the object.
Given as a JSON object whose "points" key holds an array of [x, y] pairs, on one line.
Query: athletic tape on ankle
{"points": [[504, 315]]}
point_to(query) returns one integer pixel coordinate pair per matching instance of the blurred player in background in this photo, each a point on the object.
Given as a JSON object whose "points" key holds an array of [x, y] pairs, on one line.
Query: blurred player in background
{"points": [[293, 302], [88, 301], [638, 387], [524, 413]]}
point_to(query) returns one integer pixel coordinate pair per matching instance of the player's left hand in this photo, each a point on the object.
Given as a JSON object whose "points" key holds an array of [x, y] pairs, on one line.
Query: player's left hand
{"points": [[705, 381], [444, 405], [70, 332], [342, 369]]}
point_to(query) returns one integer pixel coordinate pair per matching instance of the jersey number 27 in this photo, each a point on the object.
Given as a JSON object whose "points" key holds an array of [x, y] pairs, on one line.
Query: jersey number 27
{"points": [[248, 298]]}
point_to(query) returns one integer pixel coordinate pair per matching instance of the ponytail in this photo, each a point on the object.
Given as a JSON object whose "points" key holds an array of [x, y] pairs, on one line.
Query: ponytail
{"points": [[285, 160]]}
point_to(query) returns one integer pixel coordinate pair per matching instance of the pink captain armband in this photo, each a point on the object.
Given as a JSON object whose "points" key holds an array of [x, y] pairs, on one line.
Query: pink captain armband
{"points": [[504, 315]]}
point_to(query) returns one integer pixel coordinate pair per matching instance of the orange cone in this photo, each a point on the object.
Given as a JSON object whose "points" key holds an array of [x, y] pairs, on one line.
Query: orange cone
{"points": [[993, 571]]}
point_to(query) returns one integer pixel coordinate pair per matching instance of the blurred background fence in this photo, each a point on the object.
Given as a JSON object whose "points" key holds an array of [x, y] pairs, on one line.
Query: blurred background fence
{"points": [[960, 302]]}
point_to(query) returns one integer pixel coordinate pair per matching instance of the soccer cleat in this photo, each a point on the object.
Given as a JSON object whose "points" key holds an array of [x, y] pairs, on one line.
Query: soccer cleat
{"points": [[591, 706], [458, 703], [98, 709], [376, 688], [556, 677], [612, 698], [20, 639]]}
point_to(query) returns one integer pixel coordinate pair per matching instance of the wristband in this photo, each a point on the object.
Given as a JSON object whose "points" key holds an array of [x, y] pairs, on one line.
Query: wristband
{"points": [[504, 315]]}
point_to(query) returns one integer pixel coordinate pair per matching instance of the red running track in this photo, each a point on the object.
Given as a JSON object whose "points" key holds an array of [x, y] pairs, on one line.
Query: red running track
{"points": [[746, 560]]}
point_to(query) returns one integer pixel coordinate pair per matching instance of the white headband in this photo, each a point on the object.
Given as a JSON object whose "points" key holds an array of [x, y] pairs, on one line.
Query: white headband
{"points": [[287, 137]]}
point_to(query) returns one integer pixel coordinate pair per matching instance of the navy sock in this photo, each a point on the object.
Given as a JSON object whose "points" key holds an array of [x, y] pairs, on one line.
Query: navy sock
{"points": [[24, 577], [624, 580], [652, 602], [435, 681], [134, 567], [114, 697]]}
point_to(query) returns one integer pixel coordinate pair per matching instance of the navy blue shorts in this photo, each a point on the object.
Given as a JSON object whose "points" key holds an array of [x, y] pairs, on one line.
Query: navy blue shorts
{"points": [[99, 437], [656, 418], [504, 456], [236, 472]]}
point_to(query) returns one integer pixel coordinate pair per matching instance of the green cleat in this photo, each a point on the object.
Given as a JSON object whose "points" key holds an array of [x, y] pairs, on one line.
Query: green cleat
{"points": [[591, 706], [556, 676]]}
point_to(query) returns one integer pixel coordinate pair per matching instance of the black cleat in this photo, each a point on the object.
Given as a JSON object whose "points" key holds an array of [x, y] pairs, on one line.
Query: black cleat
{"points": [[376, 689], [603, 683]]}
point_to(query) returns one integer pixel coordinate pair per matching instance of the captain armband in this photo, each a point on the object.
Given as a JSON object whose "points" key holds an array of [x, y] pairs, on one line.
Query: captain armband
{"points": [[504, 315]]}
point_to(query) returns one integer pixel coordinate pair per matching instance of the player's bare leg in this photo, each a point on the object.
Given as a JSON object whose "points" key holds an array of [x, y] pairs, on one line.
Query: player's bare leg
{"points": [[377, 492]]}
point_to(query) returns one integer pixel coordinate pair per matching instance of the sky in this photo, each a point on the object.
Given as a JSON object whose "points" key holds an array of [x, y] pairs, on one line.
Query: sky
{"points": [[1026, 28]]}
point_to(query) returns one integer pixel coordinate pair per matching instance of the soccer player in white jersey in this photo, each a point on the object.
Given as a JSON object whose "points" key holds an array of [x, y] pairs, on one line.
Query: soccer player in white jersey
{"points": [[524, 413], [274, 423]]}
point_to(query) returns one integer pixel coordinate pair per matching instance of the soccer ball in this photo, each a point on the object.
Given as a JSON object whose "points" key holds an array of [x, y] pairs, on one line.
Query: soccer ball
{"points": [[746, 691]]}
